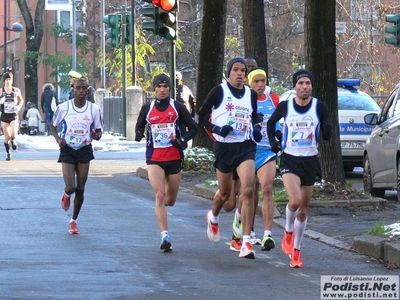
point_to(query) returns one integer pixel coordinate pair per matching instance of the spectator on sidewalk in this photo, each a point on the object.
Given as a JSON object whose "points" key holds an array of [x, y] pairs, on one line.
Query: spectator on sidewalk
{"points": [[33, 116], [48, 102], [184, 94]]}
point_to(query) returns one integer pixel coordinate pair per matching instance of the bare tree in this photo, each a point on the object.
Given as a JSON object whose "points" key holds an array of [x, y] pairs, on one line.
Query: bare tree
{"points": [[321, 61], [255, 41], [211, 57], [34, 35]]}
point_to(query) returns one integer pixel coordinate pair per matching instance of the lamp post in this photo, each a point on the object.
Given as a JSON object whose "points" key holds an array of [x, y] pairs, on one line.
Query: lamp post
{"points": [[17, 27]]}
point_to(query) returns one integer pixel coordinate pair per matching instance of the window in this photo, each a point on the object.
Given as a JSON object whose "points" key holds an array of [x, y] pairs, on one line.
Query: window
{"points": [[65, 16]]}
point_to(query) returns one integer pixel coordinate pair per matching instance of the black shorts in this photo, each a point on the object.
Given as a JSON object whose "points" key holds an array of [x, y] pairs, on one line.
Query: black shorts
{"points": [[8, 118], [230, 155], [170, 167], [71, 156], [307, 168]]}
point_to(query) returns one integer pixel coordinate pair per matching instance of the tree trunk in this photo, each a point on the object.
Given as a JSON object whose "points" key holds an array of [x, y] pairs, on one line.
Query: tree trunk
{"points": [[34, 34], [255, 41], [211, 58], [321, 61]]}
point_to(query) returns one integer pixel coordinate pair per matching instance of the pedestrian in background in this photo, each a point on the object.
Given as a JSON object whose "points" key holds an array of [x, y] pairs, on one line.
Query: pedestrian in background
{"points": [[11, 102], [33, 116], [91, 92], [305, 118], [184, 94], [81, 122], [230, 113], [48, 101], [165, 143]]}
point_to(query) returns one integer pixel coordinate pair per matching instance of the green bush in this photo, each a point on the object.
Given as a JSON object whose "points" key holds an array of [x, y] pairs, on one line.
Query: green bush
{"points": [[198, 160]]}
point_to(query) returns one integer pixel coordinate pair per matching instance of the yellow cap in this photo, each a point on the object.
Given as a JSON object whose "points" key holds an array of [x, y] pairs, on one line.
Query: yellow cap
{"points": [[75, 74]]}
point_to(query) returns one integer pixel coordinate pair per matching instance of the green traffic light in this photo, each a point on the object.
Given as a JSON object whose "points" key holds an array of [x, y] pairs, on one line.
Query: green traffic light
{"points": [[394, 30], [114, 29]]}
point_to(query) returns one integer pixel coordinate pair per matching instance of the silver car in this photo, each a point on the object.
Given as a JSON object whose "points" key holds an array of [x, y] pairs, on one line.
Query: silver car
{"points": [[382, 148], [353, 106]]}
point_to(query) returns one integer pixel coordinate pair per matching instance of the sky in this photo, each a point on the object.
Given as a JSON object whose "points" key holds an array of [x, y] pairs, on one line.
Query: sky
{"points": [[114, 143]]}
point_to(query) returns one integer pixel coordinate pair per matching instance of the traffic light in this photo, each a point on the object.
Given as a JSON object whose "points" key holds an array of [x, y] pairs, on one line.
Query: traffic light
{"points": [[114, 29], [129, 29], [395, 30], [163, 12]]}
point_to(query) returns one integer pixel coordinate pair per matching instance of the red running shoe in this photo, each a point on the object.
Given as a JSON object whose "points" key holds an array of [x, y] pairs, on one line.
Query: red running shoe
{"points": [[296, 261], [288, 242], [73, 228], [65, 201]]}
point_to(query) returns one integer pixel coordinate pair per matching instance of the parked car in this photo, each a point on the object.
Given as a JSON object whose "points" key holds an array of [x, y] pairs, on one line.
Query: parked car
{"points": [[382, 148], [353, 105]]}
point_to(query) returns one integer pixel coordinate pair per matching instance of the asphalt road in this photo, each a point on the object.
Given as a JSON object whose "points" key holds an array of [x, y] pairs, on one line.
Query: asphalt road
{"points": [[116, 255]]}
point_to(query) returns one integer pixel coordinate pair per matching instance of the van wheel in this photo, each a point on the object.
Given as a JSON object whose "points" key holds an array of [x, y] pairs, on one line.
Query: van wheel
{"points": [[398, 180], [367, 181], [348, 168]]}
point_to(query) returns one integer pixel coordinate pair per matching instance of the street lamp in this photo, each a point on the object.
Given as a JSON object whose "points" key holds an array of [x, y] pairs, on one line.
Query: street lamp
{"points": [[16, 27]]}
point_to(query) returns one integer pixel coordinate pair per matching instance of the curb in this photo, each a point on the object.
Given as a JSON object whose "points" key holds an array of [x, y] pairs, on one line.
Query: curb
{"points": [[376, 247]]}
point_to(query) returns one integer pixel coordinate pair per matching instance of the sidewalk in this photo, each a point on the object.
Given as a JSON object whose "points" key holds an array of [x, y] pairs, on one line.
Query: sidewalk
{"points": [[341, 223]]}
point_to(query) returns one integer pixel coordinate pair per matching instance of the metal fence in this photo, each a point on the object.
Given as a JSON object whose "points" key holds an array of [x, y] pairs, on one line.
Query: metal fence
{"points": [[113, 114]]}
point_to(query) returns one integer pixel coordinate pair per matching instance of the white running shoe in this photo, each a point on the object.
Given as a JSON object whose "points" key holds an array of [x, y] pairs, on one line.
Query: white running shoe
{"points": [[253, 239], [212, 229], [247, 251]]}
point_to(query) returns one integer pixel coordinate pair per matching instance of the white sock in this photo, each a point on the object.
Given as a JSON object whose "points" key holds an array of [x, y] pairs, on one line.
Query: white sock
{"points": [[214, 219], [164, 233], [299, 228], [267, 232], [290, 216], [246, 239], [72, 220]]}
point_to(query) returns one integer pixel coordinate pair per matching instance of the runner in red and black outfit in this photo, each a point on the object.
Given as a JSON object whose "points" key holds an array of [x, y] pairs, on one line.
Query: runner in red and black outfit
{"points": [[166, 139]]}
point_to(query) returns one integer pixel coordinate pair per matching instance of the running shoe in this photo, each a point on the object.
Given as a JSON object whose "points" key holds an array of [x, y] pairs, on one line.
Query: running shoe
{"points": [[288, 242], [247, 251], [296, 261], [73, 228], [65, 201], [8, 156], [237, 227], [268, 243], [212, 229], [166, 245], [253, 239], [236, 244], [14, 144]]}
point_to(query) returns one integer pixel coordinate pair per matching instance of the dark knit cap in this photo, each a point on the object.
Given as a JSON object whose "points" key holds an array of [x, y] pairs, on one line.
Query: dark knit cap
{"points": [[235, 60], [301, 73], [6, 76], [161, 78]]}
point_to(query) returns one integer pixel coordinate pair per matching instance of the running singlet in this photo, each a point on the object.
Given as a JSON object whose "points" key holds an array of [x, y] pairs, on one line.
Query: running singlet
{"points": [[77, 123], [266, 107], [162, 125], [235, 112], [300, 138], [10, 102]]}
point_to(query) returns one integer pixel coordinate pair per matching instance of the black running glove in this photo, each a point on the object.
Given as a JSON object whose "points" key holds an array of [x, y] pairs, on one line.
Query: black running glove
{"points": [[223, 131]]}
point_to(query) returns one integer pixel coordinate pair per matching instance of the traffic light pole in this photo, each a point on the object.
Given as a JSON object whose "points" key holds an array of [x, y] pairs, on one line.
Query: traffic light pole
{"points": [[172, 63], [124, 68], [133, 43]]}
